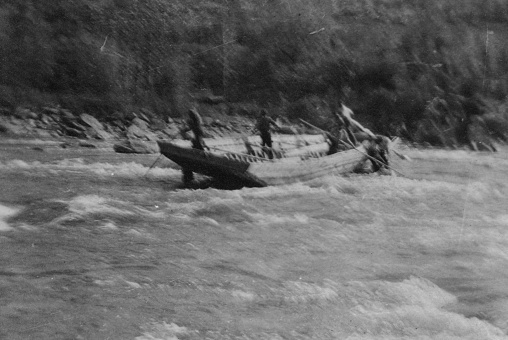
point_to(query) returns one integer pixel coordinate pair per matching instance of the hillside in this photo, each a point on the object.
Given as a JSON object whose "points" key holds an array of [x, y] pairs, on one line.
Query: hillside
{"points": [[433, 71]]}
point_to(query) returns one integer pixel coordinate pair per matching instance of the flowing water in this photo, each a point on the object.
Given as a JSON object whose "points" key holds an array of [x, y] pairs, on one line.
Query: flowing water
{"points": [[96, 245]]}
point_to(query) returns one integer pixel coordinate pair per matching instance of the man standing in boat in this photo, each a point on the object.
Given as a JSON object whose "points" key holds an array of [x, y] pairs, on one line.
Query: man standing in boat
{"points": [[194, 124], [353, 127], [263, 126], [341, 130]]}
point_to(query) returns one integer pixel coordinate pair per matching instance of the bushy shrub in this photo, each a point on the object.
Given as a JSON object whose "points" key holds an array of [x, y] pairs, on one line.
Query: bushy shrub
{"points": [[387, 59], [312, 109], [497, 126]]}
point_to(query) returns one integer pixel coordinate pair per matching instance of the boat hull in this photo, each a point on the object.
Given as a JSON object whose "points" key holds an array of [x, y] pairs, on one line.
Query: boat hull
{"points": [[220, 167], [257, 172]]}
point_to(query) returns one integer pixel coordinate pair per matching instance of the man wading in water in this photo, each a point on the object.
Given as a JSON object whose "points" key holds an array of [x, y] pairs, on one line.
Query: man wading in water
{"points": [[379, 153], [263, 126]]}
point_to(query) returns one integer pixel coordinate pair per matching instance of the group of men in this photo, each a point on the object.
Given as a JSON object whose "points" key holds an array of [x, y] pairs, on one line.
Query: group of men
{"points": [[340, 137]]}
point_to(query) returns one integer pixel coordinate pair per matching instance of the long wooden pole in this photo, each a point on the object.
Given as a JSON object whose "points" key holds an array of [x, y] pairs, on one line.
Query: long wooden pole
{"points": [[150, 168]]}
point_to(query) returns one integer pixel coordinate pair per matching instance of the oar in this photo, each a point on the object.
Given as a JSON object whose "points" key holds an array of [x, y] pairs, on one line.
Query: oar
{"points": [[354, 147], [402, 156], [313, 126]]}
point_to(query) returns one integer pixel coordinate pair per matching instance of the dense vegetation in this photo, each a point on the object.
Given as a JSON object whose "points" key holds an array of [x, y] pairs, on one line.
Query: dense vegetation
{"points": [[421, 68]]}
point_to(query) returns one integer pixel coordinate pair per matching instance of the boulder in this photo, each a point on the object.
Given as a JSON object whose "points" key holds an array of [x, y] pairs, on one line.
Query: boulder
{"points": [[143, 117], [157, 124], [129, 116], [75, 125], [69, 131], [24, 113], [31, 123], [218, 123], [5, 111], [95, 128], [479, 136], [42, 133], [45, 119], [51, 111], [67, 116], [172, 131], [136, 146], [84, 144], [12, 127], [211, 99], [139, 129]]}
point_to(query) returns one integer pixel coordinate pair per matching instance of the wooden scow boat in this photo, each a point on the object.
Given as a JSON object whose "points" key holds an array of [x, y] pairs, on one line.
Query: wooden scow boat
{"points": [[291, 164]]}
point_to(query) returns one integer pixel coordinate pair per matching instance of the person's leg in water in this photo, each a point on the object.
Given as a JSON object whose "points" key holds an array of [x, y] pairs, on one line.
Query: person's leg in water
{"points": [[266, 141], [188, 177], [378, 158]]}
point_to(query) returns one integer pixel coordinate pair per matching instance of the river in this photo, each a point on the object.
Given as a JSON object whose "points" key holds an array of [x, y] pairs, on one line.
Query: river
{"points": [[96, 245]]}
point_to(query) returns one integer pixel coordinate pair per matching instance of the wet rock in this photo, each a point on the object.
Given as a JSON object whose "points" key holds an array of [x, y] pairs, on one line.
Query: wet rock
{"points": [[136, 146], [87, 145]]}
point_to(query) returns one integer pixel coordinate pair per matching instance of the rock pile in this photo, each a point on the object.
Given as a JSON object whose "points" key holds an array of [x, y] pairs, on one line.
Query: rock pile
{"points": [[130, 133]]}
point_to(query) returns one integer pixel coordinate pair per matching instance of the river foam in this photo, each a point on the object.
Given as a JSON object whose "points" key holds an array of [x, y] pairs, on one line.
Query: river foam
{"points": [[78, 165], [5, 213]]}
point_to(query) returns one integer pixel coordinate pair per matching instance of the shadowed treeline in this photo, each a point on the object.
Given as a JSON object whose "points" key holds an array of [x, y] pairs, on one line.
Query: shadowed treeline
{"points": [[431, 71]]}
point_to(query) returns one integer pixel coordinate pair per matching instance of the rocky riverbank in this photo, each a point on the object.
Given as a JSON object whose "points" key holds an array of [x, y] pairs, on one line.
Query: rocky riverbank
{"points": [[137, 132], [134, 132]]}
